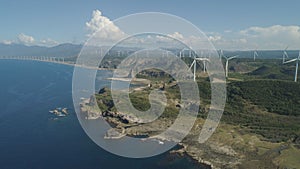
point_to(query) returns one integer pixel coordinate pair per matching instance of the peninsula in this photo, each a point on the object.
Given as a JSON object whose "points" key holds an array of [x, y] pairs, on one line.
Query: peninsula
{"points": [[259, 127]]}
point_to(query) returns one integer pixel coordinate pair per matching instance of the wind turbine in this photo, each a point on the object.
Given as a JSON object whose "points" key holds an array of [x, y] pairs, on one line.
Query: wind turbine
{"points": [[285, 55], [181, 53], [297, 64], [255, 54], [167, 52], [226, 64], [221, 53], [194, 63]]}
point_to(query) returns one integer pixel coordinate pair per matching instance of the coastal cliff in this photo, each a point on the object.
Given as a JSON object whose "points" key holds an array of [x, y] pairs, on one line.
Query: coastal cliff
{"points": [[231, 146]]}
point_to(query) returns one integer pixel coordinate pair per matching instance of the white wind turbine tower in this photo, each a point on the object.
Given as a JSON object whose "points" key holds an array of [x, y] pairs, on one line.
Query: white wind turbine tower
{"points": [[255, 54], [297, 64], [221, 54], [226, 64], [194, 63], [167, 53]]}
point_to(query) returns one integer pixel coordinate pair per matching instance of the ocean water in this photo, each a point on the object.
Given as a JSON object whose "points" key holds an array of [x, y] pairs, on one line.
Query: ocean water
{"points": [[32, 138]]}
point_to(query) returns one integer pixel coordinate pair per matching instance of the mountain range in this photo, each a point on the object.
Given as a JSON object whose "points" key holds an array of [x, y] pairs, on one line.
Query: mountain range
{"points": [[72, 50], [62, 50]]}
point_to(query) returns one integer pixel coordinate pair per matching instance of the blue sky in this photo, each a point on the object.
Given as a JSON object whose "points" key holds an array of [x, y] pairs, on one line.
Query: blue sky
{"points": [[59, 21]]}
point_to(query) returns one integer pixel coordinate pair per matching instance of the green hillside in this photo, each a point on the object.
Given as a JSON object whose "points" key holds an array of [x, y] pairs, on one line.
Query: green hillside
{"points": [[261, 120], [266, 107]]}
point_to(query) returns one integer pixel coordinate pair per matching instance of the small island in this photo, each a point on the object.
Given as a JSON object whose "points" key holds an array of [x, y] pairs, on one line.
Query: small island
{"points": [[60, 112]]}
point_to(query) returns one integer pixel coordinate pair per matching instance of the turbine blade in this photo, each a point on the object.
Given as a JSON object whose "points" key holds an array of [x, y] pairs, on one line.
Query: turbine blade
{"points": [[286, 48], [285, 52], [293, 60], [192, 64], [233, 57], [202, 59]]}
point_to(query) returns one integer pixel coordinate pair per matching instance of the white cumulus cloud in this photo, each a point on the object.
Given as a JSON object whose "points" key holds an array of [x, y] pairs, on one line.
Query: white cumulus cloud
{"points": [[275, 30], [48, 42], [272, 37], [104, 28], [30, 41], [214, 38], [255, 37], [25, 39], [176, 35], [7, 42]]}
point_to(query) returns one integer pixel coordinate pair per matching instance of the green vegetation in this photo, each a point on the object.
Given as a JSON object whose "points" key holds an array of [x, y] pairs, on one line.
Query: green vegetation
{"points": [[140, 98], [281, 97], [288, 158], [105, 101], [261, 116], [266, 107], [270, 108]]}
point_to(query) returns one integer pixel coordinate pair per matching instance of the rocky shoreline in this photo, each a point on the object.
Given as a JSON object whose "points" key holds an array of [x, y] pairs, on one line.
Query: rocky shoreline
{"points": [[229, 147], [129, 126]]}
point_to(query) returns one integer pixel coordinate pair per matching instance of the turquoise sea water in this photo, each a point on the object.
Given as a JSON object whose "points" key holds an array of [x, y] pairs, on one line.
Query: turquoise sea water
{"points": [[31, 137]]}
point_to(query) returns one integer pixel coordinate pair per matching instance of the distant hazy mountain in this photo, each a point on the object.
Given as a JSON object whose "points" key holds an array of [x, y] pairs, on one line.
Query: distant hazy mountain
{"points": [[72, 50], [62, 50]]}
